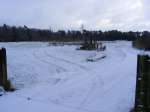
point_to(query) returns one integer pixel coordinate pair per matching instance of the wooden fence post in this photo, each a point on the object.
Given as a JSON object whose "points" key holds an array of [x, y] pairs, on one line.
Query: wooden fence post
{"points": [[4, 66], [3, 70], [148, 86], [138, 80], [142, 98], [1, 75]]}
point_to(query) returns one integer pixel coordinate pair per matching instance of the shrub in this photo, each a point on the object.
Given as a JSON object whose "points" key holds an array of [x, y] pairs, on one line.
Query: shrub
{"points": [[142, 43]]}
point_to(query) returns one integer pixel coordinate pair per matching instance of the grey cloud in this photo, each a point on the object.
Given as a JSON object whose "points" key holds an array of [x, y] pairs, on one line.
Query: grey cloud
{"points": [[66, 14]]}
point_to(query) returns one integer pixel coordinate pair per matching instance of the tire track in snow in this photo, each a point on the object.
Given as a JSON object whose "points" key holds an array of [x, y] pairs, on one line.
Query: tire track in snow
{"points": [[81, 106], [78, 65], [67, 61], [123, 57], [56, 103], [60, 69], [114, 83], [83, 68], [87, 71]]}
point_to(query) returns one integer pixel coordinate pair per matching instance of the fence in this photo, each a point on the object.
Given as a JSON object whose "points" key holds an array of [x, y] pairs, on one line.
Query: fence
{"points": [[142, 97]]}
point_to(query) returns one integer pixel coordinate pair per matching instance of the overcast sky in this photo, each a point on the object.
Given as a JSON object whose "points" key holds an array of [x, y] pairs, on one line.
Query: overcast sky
{"points": [[70, 14]]}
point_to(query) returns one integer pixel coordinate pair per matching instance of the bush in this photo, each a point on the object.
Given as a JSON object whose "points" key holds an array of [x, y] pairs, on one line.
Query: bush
{"points": [[142, 43], [87, 46]]}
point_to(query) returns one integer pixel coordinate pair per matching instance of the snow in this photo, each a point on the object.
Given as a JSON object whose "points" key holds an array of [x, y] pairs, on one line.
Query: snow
{"points": [[97, 56], [59, 79]]}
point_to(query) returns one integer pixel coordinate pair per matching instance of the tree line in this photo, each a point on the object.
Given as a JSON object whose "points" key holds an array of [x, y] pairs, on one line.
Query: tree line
{"points": [[16, 34]]}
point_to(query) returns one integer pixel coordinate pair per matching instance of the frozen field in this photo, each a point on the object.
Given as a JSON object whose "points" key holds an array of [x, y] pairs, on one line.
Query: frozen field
{"points": [[59, 79]]}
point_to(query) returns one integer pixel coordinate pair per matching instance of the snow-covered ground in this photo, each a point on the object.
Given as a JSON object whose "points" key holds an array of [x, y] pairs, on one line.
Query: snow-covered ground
{"points": [[59, 79]]}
